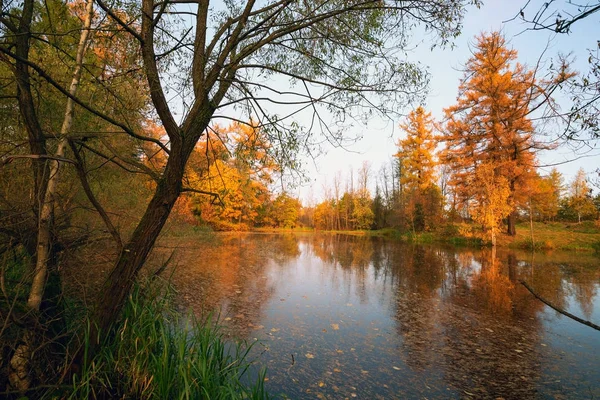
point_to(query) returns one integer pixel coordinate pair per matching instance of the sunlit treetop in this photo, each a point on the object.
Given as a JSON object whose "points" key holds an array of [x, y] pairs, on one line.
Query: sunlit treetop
{"points": [[416, 152]]}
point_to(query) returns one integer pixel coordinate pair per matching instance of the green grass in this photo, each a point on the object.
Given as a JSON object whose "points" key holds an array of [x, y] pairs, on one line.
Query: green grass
{"points": [[546, 236], [158, 353], [555, 235]]}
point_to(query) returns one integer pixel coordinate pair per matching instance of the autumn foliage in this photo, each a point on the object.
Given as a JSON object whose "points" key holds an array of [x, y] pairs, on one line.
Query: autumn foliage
{"points": [[490, 126]]}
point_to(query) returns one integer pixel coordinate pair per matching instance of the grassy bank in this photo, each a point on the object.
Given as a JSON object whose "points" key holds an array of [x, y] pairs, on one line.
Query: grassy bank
{"points": [[154, 352], [570, 236], [158, 353], [584, 236], [546, 236]]}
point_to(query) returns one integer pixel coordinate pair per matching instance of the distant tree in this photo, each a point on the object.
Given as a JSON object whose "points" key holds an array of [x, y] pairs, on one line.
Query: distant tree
{"points": [[416, 158], [324, 216], [362, 214], [416, 152], [580, 199], [285, 211], [545, 194], [234, 165], [379, 210]]}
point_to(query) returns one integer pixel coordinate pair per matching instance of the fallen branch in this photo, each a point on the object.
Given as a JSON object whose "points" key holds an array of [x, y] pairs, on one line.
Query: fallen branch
{"points": [[582, 321]]}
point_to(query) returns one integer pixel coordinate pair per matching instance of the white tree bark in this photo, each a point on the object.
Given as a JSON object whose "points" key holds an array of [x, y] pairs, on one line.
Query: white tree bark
{"points": [[20, 363], [47, 207]]}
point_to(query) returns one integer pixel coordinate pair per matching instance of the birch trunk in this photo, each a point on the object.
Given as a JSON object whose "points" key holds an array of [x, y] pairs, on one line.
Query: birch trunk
{"points": [[48, 203], [20, 363]]}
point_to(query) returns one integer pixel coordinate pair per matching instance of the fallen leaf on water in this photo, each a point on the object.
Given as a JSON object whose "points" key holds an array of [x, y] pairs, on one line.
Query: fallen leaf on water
{"points": [[364, 372], [321, 384], [325, 330], [308, 355], [281, 299], [228, 319], [396, 368], [238, 291], [337, 370], [340, 351], [335, 327], [353, 394], [518, 351], [274, 329], [349, 304]]}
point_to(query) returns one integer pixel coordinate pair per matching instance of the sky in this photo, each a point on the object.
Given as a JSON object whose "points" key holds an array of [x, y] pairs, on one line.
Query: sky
{"points": [[379, 140]]}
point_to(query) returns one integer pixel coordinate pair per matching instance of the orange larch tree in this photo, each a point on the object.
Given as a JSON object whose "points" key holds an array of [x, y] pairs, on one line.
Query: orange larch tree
{"points": [[417, 151], [421, 197], [490, 122]]}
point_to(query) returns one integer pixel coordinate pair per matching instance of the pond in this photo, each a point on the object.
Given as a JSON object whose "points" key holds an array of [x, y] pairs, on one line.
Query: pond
{"points": [[342, 316]]}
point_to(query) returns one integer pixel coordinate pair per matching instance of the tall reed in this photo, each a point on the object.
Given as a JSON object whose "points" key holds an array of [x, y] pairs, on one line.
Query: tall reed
{"points": [[159, 353]]}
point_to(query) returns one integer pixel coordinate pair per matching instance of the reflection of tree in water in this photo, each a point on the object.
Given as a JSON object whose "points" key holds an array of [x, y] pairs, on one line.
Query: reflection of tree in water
{"points": [[462, 315], [351, 254], [347, 251], [419, 275], [585, 292], [491, 341], [281, 248], [556, 277], [231, 277], [493, 288], [583, 285]]}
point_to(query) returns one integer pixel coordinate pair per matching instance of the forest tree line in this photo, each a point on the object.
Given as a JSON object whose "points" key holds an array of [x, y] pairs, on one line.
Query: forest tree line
{"points": [[479, 164]]}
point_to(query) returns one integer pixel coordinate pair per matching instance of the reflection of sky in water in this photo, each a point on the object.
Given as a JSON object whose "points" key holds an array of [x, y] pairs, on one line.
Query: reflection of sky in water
{"points": [[344, 317]]}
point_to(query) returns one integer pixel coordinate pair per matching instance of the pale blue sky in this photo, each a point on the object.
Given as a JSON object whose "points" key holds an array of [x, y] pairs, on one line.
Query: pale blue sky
{"points": [[378, 143]]}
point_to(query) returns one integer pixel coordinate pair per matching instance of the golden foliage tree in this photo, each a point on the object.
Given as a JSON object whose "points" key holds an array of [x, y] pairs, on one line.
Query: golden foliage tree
{"points": [[546, 194], [417, 151], [235, 166], [581, 200], [490, 123], [421, 197], [492, 199]]}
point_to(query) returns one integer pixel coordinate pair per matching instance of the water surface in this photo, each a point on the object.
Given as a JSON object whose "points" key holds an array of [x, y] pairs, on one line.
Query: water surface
{"points": [[340, 316]]}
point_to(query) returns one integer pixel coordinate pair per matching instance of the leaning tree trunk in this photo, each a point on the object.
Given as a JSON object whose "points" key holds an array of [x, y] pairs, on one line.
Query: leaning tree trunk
{"points": [[119, 282], [117, 286]]}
